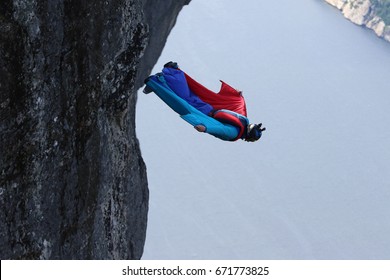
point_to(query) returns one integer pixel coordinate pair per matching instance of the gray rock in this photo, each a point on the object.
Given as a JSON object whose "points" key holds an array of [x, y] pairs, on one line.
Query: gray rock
{"points": [[73, 184], [364, 13]]}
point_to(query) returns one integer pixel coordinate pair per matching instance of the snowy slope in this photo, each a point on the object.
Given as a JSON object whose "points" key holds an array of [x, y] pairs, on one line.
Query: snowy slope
{"points": [[317, 185]]}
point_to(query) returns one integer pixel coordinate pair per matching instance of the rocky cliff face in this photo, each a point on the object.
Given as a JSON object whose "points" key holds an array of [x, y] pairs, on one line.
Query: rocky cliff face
{"points": [[362, 12], [73, 183]]}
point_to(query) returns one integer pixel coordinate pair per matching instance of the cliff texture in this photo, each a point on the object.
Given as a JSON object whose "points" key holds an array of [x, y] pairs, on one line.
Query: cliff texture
{"points": [[363, 12], [73, 183]]}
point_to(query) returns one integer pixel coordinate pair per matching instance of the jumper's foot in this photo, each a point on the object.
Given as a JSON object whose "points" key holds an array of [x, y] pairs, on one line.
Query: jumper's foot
{"points": [[147, 90], [171, 64]]}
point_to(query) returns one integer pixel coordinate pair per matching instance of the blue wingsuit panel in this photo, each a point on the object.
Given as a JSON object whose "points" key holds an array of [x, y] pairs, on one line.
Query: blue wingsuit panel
{"points": [[177, 104], [176, 81], [187, 112]]}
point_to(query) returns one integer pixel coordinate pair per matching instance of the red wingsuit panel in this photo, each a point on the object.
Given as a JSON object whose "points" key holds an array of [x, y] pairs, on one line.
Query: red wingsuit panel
{"points": [[227, 98]]}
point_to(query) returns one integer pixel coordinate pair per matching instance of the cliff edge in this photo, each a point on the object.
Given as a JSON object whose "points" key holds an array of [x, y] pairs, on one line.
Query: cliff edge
{"points": [[73, 184], [373, 14]]}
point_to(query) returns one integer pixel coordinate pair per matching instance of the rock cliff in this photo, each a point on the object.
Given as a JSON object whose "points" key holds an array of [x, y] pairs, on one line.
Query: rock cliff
{"points": [[363, 12], [73, 184]]}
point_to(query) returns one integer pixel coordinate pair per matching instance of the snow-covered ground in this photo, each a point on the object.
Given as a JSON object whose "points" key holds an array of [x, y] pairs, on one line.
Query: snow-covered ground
{"points": [[317, 185]]}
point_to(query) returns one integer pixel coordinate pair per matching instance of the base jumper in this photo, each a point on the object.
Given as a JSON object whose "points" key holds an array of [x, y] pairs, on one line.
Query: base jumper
{"points": [[221, 114]]}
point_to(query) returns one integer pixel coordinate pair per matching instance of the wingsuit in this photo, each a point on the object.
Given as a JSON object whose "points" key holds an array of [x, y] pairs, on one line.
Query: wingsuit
{"points": [[222, 114]]}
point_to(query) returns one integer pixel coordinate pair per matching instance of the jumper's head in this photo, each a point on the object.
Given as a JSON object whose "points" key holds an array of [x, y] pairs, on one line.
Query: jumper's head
{"points": [[254, 132]]}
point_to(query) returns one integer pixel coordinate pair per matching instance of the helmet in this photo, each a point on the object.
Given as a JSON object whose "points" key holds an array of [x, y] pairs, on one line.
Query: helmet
{"points": [[254, 132]]}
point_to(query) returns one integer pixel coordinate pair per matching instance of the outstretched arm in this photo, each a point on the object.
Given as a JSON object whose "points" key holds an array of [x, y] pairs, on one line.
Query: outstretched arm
{"points": [[203, 123]]}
